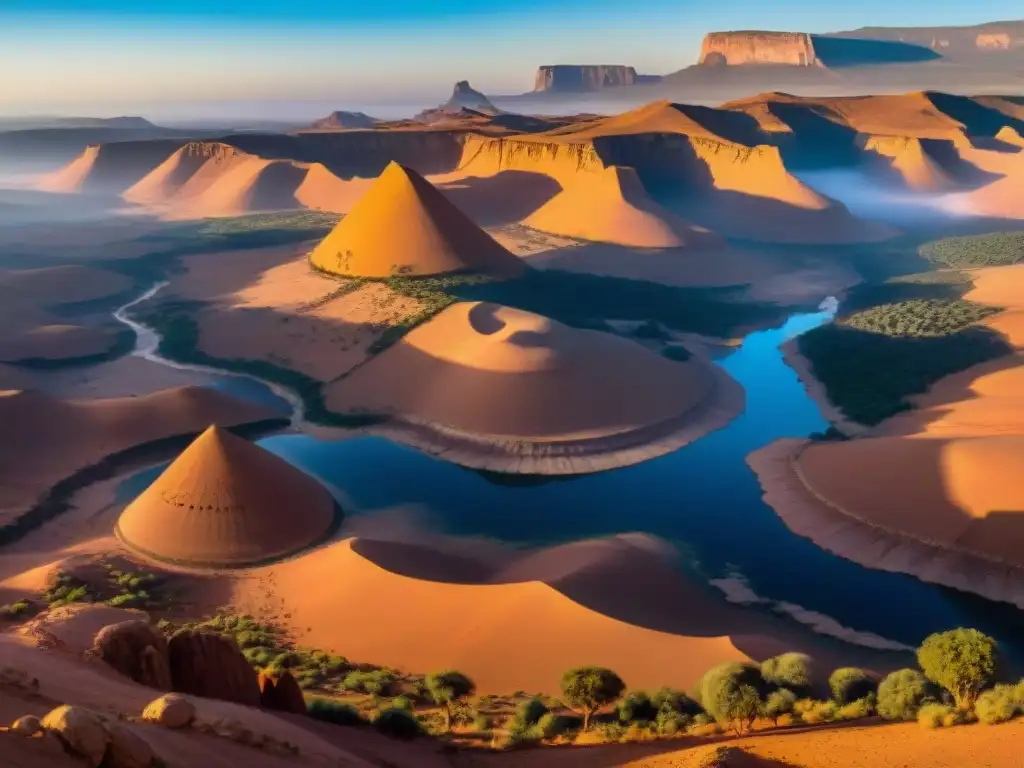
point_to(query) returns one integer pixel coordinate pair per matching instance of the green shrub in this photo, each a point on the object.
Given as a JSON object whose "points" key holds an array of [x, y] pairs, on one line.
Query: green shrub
{"points": [[377, 682], [778, 703], [336, 712], [670, 699], [789, 670], [669, 722], [902, 693], [636, 707], [938, 716], [850, 684], [448, 688], [531, 711], [402, 702], [858, 709], [398, 723], [731, 694], [963, 661], [552, 725], [587, 689], [999, 704], [15, 610], [482, 723]]}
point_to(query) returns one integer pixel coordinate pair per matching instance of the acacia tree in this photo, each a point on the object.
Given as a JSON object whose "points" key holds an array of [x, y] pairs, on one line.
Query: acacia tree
{"points": [[587, 689], [963, 661], [789, 670], [732, 694], [448, 688]]}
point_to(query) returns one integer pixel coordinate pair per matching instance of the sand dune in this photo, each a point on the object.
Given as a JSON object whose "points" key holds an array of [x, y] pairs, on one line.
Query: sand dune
{"points": [[404, 226], [72, 177], [226, 502], [488, 630], [498, 387], [56, 341], [67, 284], [109, 168], [959, 521], [1000, 199], [613, 207], [88, 431], [919, 170]]}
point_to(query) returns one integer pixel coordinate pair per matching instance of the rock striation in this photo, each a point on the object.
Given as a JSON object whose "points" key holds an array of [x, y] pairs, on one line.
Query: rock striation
{"points": [[757, 47], [580, 78], [210, 665], [136, 650]]}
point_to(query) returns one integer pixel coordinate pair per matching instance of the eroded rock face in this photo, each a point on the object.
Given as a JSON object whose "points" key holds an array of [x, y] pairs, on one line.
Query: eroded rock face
{"points": [[211, 665], [742, 48], [136, 650], [281, 693], [170, 710], [80, 730], [578, 78]]}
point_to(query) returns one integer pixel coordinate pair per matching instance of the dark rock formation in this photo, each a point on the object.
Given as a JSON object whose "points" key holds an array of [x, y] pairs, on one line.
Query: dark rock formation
{"points": [[211, 665], [465, 97], [281, 693], [581, 78], [339, 120], [136, 650]]}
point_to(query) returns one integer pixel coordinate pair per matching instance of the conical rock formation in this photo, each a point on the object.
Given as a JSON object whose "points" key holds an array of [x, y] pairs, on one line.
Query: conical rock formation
{"points": [[211, 665], [404, 226], [225, 502]]}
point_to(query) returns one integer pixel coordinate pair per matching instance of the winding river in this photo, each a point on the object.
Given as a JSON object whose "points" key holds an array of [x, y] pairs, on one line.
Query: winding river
{"points": [[703, 498]]}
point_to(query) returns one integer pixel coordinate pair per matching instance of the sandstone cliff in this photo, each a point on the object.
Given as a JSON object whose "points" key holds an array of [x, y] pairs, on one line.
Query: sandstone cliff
{"points": [[742, 48], [579, 78]]}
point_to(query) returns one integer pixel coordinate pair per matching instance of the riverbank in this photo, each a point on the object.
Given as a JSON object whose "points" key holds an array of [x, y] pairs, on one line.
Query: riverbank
{"points": [[804, 370], [866, 542]]}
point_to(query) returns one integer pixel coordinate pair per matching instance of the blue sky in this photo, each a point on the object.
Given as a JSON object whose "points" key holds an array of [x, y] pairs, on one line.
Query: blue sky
{"points": [[108, 56]]}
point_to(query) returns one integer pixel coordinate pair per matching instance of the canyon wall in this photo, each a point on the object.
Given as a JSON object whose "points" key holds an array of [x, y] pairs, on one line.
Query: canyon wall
{"points": [[741, 48], [577, 78]]}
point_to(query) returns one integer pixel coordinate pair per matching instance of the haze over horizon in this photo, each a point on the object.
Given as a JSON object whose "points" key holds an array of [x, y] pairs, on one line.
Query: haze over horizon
{"points": [[222, 58]]}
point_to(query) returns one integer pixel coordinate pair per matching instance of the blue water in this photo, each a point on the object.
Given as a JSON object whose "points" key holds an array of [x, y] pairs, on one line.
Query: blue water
{"points": [[703, 498]]}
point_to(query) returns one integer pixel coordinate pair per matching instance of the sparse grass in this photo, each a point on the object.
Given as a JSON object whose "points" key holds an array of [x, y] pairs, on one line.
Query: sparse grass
{"points": [[16, 610], [990, 250], [67, 589]]}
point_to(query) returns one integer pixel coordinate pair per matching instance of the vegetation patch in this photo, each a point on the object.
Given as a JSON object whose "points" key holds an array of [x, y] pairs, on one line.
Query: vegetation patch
{"points": [[992, 250]]}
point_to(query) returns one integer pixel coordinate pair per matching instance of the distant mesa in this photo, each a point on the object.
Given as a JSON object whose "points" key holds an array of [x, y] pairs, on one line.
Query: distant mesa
{"points": [[341, 120], [492, 383], [404, 226], [612, 206], [585, 78], [226, 502], [464, 96], [949, 42], [800, 49]]}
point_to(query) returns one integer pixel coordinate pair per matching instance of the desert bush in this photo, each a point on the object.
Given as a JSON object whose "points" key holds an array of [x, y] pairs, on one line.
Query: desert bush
{"points": [[789, 670], [669, 722], [530, 711], [16, 609], [398, 723], [587, 689], [731, 694], [819, 712], [850, 684], [482, 723], [937, 715], [449, 688], [552, 725], [999, 704], [636, 707], [778, 703], [375, 682], [902, 693], [67, 589], [637, 732], [670, 699], [602, 733], [963, 661], [337, 712], [402, 702], [855, 710]]}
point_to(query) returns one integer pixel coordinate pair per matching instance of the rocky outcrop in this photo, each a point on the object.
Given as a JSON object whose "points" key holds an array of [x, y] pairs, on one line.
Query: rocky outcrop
{"points": [[580, 78], [170, 711], [136, 650], [341, 119], [744, 48], [211, 665], [281, 693], [464, 96]]}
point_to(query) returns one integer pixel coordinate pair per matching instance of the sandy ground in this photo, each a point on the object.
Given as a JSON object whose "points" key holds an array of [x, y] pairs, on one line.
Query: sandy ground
{"points": [[87, 431], [267, 304], [498, 388], [958, 522], [54, 286], [125, 377]]}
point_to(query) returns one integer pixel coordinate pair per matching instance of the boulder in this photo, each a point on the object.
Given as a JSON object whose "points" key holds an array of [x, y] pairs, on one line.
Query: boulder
{"points": [[80, 730], [18, 679], [128, 749], [136, 650], [281, 692], [170, 710], [27, 725], [210, 665]]}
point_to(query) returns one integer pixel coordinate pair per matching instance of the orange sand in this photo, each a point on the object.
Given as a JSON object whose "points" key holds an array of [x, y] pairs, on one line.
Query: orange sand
{"points": [[918, 170], [222, 503], [613, 207], [404, 226], [1000, 199], [87, 431], [72, 177], [503, 381]]}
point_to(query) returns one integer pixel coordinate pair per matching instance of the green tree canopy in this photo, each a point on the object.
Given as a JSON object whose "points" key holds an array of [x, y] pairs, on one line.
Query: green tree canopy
{"points": [[447, 688], [732, 694], [587, 689], [902, 693], [850, 684], [789, 670], [963, 661]]}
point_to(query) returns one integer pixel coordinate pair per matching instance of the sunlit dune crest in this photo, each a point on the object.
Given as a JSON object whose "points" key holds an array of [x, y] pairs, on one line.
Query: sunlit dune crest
{"points": [[222, 502], [612, 206], [404, 226]]}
